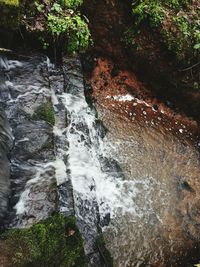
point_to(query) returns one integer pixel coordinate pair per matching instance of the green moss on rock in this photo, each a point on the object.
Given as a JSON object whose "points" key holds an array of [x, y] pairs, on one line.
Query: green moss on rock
{"points": [[54, 242], [9, 2], [45, 112]]}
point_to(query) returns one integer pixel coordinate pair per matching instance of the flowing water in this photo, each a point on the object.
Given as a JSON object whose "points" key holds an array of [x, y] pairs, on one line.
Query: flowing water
{"points": [[164, 228], [137, 186]]}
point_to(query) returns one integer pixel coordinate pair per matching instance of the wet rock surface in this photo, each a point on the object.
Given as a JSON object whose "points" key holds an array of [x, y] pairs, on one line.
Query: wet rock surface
{"points": [[25, 87], [50, 163], [5, 146]]}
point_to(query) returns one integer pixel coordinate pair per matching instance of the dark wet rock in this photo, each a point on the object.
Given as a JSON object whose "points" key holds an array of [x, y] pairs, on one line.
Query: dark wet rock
{"points": [[88, 95], [88, 222], [66, 198], [155, 107], [185, 186], [34, 200], [88, 62], [101, 129], [106, 220], [112, 167], [73, 75], [4, 184], [5, 146], [33, 178], [34, 140]]}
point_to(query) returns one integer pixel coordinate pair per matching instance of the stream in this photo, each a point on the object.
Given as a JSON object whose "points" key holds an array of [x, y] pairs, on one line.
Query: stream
{"points": [[135, 185]]}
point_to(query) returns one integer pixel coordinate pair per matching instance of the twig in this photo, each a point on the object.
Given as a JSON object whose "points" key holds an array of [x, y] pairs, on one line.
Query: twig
{"points": [[21, 33], [195, 65]]}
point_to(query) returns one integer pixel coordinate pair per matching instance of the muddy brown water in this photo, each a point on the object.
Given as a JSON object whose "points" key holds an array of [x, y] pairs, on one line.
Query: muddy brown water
{"points": [[164, 228]]}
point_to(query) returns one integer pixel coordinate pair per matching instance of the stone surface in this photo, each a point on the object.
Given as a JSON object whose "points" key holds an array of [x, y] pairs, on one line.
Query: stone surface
{"points": [[25, 88], [5, 146]]}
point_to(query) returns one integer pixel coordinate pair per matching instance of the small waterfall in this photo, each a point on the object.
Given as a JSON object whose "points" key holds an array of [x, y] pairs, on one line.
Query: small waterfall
{"points": [[80, 149], [123, 181], [68, 160]]}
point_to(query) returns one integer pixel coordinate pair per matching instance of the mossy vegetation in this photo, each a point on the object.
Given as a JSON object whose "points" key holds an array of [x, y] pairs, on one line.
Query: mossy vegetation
{"points": [[45, 112], [55, 242], [9, 2], [177, 21]]}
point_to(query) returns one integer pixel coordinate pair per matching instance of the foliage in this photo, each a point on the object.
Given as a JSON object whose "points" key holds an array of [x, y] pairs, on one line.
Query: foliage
{"points": [[57, 24], [54, 242], [9, 2], [71, 26], [150, 10], [73, 4], [45, 112], [176, 20], [62, 25]]}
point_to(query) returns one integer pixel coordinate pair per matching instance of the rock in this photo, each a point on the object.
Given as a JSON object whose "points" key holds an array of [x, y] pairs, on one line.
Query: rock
{"points": [[5, 146]]}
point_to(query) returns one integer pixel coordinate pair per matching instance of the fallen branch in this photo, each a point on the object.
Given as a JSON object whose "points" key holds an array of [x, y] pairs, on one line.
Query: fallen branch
{"points": [[193, 66]]}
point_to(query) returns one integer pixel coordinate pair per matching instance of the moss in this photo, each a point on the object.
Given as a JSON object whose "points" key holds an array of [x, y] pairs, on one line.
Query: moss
{"points": [[9, 2], [177, 22], [105, 254], [45, 112], [55, 242]]}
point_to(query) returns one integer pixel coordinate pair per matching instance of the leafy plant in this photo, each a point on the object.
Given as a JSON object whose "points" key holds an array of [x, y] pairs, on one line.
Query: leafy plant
{"points": [[73, 4], [66, 29]]}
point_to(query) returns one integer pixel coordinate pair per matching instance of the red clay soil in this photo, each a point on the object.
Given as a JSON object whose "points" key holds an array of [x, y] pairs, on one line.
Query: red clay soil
{"points": [[120, 91], [108, 20]]}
